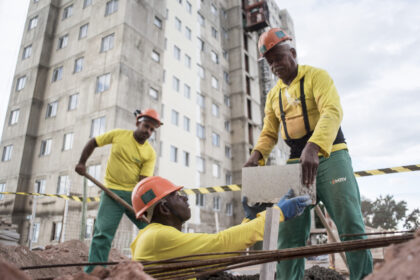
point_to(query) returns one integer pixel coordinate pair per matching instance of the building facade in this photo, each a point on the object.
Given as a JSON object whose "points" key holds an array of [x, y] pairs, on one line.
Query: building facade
{"points": [[85, 66]]}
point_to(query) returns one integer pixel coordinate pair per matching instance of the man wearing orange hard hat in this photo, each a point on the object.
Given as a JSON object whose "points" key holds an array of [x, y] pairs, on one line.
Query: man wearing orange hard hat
{"points": [[304, 107], [132, 159], [160, 201]]}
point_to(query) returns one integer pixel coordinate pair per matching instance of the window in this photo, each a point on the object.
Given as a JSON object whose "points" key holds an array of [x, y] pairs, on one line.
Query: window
{"points": [[216, 203], [57, 74], [78, 65], [111, 7], [2, 189], [188, 33], [63, 184], [14, 117], [215, 110], [225, 34], [68, 141], [216, 170], [83, 30], [228, 178], [103, 82], [98, 127], [87, 3], [62, 41], [45, 147], [186, 158], [39, 186], [225, 54], [200, 71], [174, 154], [200, 100], [187, 91], [177, 53], [107, 43], [213, 9], [73, 101], [199, 199], [56, 231], [157, 22], [214, 57], [27, 52], [227, 100], [175, 84], [188, 6], [200, 164], [200, 131], [214, 82], [174, 117], [89, 227], [228, 151], [200, 44], [215, 139], [201, 19], [33, 22], [186, 124], [35, 232], [187, 60], [7, 153], [153, 93], [178, 24], [20, 84], [95, 172], [214, 32], [226, 76], [52, 109], [229, 209], [155, 56], [227, 126], [67, 12]]}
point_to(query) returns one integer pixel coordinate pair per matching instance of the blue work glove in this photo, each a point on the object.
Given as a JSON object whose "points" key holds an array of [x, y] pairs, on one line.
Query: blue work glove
{"points": [[293, 206], [252, 211]]}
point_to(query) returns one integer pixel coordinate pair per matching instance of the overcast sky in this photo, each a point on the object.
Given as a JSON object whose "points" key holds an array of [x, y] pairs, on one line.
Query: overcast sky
{"points": [[371, 48]]}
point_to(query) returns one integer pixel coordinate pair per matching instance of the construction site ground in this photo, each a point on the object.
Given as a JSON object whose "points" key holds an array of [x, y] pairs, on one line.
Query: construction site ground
{"points": [[401, 262]]}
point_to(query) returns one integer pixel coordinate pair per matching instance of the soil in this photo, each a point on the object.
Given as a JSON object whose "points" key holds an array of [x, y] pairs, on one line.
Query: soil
{"points": [[401, 262]]}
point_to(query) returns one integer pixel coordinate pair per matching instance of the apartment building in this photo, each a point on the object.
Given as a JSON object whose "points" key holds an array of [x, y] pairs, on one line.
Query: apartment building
{"points": [[85, 66]]}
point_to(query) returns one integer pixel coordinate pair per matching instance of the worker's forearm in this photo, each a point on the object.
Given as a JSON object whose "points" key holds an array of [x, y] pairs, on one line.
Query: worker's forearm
{"points": [[88, 150]]}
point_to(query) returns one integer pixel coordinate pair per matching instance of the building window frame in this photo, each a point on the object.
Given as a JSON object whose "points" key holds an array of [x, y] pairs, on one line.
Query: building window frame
{"points": [[111, 7], [45, 148], [83, 31], [7, 153], [14, 117], [107, 42], [98, 126], [103, 83], [52, 109], [20, 83]]}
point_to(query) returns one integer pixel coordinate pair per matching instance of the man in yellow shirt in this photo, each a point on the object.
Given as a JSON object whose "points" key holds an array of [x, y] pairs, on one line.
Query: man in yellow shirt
{"points": [[306, 104], [132, 159], [159, 200]]}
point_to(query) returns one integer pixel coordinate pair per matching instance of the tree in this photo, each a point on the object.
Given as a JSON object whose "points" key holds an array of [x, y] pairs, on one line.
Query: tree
{"points": [[412, 222], [384, 212]]}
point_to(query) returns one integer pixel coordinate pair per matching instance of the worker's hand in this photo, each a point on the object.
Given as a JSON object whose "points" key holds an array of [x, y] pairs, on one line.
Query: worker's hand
{"points": [[293, 206], [253, 159], [80, 169], [252, 211], [309, 162]]}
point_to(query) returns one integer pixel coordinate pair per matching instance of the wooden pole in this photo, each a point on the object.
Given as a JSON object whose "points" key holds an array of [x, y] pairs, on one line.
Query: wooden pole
{"points": [[271, 234]]}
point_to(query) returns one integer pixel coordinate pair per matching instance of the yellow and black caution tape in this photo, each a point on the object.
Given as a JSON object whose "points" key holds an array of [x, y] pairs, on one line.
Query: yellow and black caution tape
{"points": [[231, 188], [64, 196]]}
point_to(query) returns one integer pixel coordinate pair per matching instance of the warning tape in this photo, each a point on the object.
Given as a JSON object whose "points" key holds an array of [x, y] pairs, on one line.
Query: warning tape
{"points": [[231, 188]]}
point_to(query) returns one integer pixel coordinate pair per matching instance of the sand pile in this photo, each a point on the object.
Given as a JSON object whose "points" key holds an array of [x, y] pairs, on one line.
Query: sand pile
{"points": [[402, 261], [72, 251]]}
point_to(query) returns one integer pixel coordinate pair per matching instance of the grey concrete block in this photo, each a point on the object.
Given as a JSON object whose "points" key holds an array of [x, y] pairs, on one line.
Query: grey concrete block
{"points": [[270, 183]]}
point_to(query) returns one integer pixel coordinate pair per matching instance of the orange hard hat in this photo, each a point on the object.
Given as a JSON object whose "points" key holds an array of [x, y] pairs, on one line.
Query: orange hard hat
{"points": [[271, 38], [150, 113], [149, 191]]}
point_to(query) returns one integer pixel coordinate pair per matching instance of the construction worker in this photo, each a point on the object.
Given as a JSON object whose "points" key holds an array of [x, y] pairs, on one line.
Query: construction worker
{"points": [[132, 159], [306, 104], [160, 201]]}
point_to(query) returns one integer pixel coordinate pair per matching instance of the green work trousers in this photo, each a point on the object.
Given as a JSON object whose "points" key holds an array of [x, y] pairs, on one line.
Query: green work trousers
{"points": [[337, 188], [107, 220]]}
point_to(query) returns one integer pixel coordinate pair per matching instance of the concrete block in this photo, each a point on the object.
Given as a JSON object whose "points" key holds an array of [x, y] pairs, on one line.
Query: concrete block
{"points": [[270, 183]]}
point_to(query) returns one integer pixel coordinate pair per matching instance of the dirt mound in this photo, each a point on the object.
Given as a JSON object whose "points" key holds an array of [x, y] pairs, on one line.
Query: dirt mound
{"points": [[72, 251], [401, 262], [11, 272], [321, 273]]}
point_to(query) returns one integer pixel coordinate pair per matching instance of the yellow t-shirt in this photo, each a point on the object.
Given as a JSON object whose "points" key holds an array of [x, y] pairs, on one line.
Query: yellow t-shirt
{"points": [[158, 242], [128, 159]]}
